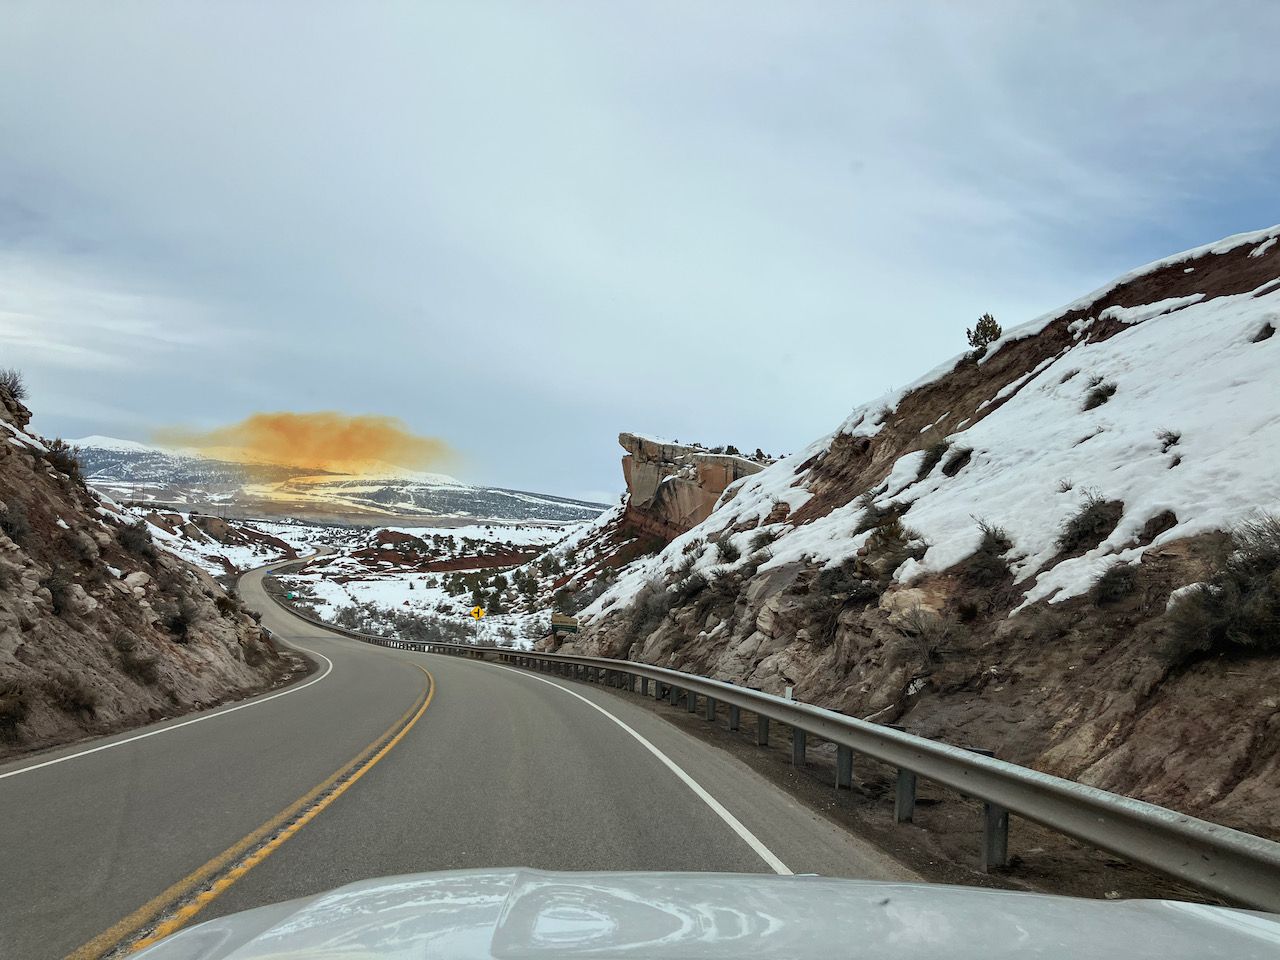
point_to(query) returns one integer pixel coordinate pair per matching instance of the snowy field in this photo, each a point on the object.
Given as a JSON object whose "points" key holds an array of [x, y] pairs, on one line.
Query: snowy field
{"points": [[347, 581], [198, 547]]}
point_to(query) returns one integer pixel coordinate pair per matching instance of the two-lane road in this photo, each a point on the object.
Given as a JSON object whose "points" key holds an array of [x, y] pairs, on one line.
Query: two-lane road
{"points": [[486, 766]]}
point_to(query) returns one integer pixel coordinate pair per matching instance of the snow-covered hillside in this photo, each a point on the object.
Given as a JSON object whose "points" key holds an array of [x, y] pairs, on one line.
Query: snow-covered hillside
{"points": [[1003, 552], [1189, 430]]}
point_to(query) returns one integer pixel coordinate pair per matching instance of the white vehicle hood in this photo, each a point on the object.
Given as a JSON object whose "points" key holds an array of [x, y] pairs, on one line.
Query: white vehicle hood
{"points": [[532, 915]]}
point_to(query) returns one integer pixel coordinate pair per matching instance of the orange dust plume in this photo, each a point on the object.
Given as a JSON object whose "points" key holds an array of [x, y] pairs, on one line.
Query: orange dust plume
{"points": [[329, 441]]}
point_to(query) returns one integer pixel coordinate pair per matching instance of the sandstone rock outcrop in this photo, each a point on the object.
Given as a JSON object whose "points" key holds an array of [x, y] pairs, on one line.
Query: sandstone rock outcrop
{"points": [[672, 487]]}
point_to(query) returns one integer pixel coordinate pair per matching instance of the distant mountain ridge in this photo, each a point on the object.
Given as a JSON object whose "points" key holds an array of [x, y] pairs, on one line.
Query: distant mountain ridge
{"points": [[129, 470]]}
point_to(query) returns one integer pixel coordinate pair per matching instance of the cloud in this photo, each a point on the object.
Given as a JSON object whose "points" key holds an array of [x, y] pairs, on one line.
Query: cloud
{"points": [[52, 314]]}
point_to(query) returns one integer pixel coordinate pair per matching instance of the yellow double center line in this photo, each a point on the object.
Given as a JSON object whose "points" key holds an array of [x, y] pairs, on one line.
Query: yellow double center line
{"points": [[174, 908]]}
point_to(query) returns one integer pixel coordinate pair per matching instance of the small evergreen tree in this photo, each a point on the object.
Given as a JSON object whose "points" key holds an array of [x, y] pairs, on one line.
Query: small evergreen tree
{"points": [[985, 332]]}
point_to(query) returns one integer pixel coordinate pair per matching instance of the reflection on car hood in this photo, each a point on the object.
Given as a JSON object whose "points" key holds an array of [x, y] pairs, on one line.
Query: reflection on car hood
{"points": [[532, 915]]}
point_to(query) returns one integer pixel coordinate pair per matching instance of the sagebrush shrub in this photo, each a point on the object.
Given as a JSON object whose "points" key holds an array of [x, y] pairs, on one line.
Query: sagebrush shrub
{"points": [[932, 455], [688, 588], [1239, 606], [561, 601], [959, 459], [1099, 393], [986, 566], [136, 664], [926, 635], [70, 694], [1114, 584], [832, 591], [180, 620], [59, 586], [847, 581], [11, 379], [875, 515], [1091, 525], [649, 608], [136, 539], [14, 521], [890, 545], [728, 551], [13, 708], [64, 458]]}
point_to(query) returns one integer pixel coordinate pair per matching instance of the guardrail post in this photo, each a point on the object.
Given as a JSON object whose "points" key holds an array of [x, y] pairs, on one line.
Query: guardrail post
{"points": [[691, 701], [844, 767], [735, 716], [762, 730], [904, 805], [995, 836], [797, 747], [711, 708], [674, 693], [644, 686]]}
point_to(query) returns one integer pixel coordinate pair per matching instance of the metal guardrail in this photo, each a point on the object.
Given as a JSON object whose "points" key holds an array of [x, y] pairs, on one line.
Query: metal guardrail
{"points": [[1237, 866]]}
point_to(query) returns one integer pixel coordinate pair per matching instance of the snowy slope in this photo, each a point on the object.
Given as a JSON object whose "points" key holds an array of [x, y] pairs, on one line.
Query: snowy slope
{"points": [[1199, 365]]}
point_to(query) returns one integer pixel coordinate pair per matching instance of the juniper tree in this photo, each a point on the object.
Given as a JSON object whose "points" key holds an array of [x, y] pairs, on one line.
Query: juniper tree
{"points": [[985, 332]]}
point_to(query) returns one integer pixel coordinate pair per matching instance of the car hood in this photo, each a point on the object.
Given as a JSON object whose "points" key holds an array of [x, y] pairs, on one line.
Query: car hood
{"points": [[533, 915]]}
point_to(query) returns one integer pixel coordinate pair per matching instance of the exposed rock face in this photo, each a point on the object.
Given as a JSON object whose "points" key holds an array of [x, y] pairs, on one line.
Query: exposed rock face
{"points": [[672, 487], [855, 573], [99, 629]]}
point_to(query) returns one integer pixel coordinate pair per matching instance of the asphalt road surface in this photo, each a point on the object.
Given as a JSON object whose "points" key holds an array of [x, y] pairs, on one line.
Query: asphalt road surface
{"points": [[440, 762]]}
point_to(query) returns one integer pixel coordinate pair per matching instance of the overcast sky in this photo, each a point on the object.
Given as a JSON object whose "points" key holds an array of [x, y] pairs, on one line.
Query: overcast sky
{"points": [[523, 227]]}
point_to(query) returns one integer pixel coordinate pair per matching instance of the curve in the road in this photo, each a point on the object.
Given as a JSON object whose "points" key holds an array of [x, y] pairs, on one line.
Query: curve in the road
{"points": [[176, 906], [170, 728], [499, 772]]}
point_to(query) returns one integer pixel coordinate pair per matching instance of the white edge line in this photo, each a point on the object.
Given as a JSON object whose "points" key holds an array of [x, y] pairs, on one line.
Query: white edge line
{"points": [[184, 723], [736, 825]]}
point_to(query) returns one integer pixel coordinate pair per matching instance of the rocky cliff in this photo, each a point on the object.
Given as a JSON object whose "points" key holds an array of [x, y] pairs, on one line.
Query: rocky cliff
{"points": [[1057, 547], [99, 629], [672, 487]]}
